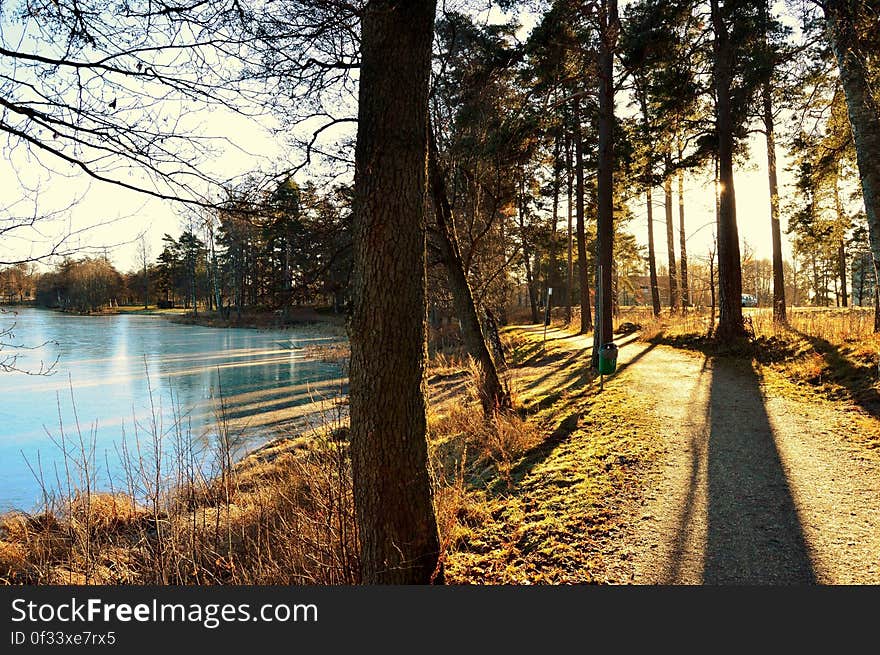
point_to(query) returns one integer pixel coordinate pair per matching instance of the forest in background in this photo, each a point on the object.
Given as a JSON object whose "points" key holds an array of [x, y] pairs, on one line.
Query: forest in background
{"points": [[532, 227]]}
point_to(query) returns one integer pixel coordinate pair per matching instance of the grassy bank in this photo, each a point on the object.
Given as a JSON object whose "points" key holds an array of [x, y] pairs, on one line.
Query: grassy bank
{"points": [[150, 310], [533, 496], [549, 505]]}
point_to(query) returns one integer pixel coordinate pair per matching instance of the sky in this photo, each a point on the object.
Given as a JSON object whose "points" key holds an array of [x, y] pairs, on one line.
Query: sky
{"points": [[752, 190], [121, 215], [109, 218]]}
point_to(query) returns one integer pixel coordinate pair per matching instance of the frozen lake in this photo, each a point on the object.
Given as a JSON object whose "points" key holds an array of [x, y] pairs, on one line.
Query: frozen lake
{"points": [[109, 367]]}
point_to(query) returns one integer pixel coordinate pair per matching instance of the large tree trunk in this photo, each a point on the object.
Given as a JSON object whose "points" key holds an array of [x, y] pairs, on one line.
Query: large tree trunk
{"points": [[864, 115], [652, 259], [392, 486], [569, 285], [730, 318], [605, 181], [685, 287], [842, 295], [670, 244], [492, 393], [712, 291], [779, 308], [531, 285], [553, 273], [586, 316], [531, 282]]}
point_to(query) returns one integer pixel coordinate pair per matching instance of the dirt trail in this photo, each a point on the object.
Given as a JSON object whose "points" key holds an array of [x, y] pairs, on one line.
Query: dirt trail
{"points": [[753, 488]]}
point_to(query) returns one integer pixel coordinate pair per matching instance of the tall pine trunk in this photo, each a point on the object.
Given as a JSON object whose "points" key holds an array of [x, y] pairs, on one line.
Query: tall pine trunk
{"points": [[553, 273], [685, 286], [605, 181], [864, 115], [670, 244], [779, 308], [531, 285], [569, 285], [586, 317], [862, 281], [841, 243], [531, 282], [712, 296], [652, 259], [389, 451], [730, 317]]}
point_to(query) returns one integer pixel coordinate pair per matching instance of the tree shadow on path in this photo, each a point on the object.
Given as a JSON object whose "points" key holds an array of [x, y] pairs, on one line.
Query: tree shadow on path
{"points": [[753, 533]]}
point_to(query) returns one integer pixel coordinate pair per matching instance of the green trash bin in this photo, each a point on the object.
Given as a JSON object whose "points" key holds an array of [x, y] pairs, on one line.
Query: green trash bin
{"points": [[608, 359]]}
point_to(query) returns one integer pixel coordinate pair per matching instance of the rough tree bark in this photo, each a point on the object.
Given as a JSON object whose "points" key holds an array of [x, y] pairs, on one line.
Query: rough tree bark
{"points": [[493, 395], [392, 487], [779, 308], [586, 316], [605, 179], [843, 296], [670, 244], [652, 259], [864, 114], [531, 282], [841, 271], [569, 285], [685, 286], [553, 273], [730, 317], [712, 296]]}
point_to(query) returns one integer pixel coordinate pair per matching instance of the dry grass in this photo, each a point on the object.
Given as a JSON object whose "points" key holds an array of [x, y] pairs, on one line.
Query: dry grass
{"points": [[446, 364], [282, 515], [338, 352], [833, 351], [488, 447], [469, 451], [836, 325], [298, 317]]}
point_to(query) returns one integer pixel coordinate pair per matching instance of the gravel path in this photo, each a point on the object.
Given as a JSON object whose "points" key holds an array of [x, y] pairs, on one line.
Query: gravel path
{"points": [[753, 489]]}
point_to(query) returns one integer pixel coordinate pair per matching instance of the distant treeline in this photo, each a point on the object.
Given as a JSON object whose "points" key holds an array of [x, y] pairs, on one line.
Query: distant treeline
{"points": [[260, 251], [290, 245], [84, 285]]}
